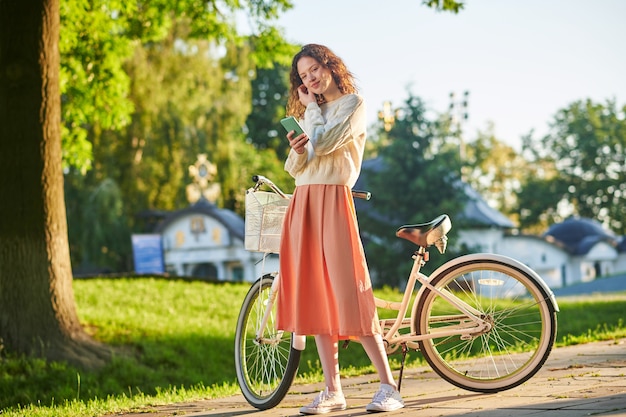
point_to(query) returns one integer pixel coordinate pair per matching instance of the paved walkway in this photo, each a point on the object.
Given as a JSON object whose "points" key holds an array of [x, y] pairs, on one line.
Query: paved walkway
{"points": [[583, 380]]}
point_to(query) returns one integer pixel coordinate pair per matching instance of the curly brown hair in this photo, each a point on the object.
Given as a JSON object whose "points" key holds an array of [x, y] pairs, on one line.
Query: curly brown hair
{"points": [[344, 79]]}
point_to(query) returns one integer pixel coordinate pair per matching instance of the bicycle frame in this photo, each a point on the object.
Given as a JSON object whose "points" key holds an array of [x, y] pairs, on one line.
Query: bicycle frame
{"points": [[476, 325]]}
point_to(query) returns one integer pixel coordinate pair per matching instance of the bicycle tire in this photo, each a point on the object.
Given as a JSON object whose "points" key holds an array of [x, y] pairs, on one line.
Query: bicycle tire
{"points": [[266, 368], [523, 325]]}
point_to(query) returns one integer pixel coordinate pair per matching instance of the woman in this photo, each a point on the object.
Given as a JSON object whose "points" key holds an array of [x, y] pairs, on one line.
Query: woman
{"points": [[325, 288]]}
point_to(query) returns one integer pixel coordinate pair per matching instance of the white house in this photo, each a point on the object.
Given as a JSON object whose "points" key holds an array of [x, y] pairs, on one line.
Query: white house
{"points": [[208, 242]]}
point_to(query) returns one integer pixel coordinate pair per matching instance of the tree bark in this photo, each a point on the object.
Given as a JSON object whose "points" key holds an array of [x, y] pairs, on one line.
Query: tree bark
{"points": [[37, 309]]}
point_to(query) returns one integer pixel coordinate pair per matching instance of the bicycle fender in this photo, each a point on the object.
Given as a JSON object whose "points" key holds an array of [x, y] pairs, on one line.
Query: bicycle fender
{"points": [[505, 260]]}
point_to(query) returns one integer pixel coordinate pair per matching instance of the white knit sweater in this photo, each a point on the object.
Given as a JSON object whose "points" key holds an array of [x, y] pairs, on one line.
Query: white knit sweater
{"points": [[334, 154]]}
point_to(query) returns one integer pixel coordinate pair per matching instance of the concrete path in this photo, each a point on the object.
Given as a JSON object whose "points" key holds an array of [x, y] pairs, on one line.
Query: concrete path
{"points": [[582, 380]]}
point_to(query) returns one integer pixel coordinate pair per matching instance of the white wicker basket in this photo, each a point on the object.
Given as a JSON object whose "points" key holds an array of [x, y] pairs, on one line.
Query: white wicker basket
{"points": [[265, 212]]}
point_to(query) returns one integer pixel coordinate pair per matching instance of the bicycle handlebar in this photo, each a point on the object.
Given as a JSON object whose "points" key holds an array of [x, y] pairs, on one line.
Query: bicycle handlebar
{"points": [[365, 195], [260, 180]]}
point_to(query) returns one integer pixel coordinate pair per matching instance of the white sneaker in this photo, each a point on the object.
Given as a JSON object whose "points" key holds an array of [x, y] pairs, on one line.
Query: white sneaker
{"points": [[386, 399], [325, 402]]}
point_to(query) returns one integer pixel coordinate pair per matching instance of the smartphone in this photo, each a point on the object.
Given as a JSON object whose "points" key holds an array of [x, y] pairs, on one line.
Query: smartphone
{"points": [[290, 123]]}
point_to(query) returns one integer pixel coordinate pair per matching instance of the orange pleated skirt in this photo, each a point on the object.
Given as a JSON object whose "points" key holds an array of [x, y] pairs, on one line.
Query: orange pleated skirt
{"points": [[325, 287]]}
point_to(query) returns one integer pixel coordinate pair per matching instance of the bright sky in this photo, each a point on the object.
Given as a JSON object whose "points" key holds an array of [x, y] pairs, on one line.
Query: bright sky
{"points": [[520, 60]]}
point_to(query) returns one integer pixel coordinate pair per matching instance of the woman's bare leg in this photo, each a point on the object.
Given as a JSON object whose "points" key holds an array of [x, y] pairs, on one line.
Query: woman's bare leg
{"points": [[375, 349], [327, 347]]}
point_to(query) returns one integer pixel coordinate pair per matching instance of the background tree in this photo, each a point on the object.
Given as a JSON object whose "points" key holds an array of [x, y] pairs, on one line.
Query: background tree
{"points": [[415, 177], [269, 88], [98, 226], [496, 171], [579, 168], [263, 130], [99, 36]]}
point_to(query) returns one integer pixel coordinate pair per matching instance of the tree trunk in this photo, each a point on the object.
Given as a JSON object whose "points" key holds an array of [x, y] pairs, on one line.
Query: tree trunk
{"points": [[37, 309]]}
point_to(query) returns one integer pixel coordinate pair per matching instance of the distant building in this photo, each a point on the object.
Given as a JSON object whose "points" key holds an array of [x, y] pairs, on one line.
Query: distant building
{"points": [[208, 242], [576, 250], [204, 241]]}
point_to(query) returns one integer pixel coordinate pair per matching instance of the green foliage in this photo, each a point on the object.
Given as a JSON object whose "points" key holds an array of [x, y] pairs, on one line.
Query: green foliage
{"points": [[94, 86], [189, 102], [97, 37], [101, 243], [147, 86], [263, 129], [416, 178], [580, 167], [269, 96], [271, 48], [495, 170], [453, 6], [189, 98]]}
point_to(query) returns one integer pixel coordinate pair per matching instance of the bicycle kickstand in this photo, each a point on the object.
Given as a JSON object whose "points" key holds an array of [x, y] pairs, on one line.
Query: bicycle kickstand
{"points": [[404, 352]]}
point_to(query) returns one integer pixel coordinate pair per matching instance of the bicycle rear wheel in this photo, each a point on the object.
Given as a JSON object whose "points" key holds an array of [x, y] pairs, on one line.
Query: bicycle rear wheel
{"points": [[265, 366], [523, 328]]}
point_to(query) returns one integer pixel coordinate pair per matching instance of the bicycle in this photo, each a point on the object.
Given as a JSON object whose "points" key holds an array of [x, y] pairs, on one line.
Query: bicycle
{"points": [[483, 322]]}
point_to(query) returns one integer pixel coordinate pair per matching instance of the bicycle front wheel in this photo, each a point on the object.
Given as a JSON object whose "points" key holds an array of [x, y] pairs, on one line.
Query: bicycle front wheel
{"points": [[266, 365], [522, 318]]}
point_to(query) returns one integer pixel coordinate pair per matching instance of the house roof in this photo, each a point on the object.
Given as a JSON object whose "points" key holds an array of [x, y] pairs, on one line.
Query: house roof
{"points": [[231, 220], [579, 234], [621, 246], [478, 211]]}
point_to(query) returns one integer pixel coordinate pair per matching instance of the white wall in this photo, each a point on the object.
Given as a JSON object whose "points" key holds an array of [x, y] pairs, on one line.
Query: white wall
{"points": [[620, 263], [483, 240], [549, 261]]}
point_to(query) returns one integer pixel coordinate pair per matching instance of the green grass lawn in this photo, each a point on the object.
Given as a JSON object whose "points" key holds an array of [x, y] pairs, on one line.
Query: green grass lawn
{"points": [[178, 339]]}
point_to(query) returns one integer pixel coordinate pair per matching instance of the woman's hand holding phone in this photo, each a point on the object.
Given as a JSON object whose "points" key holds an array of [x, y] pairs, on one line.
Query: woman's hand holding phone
{"points": [[295, 134], [297, 143]]}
